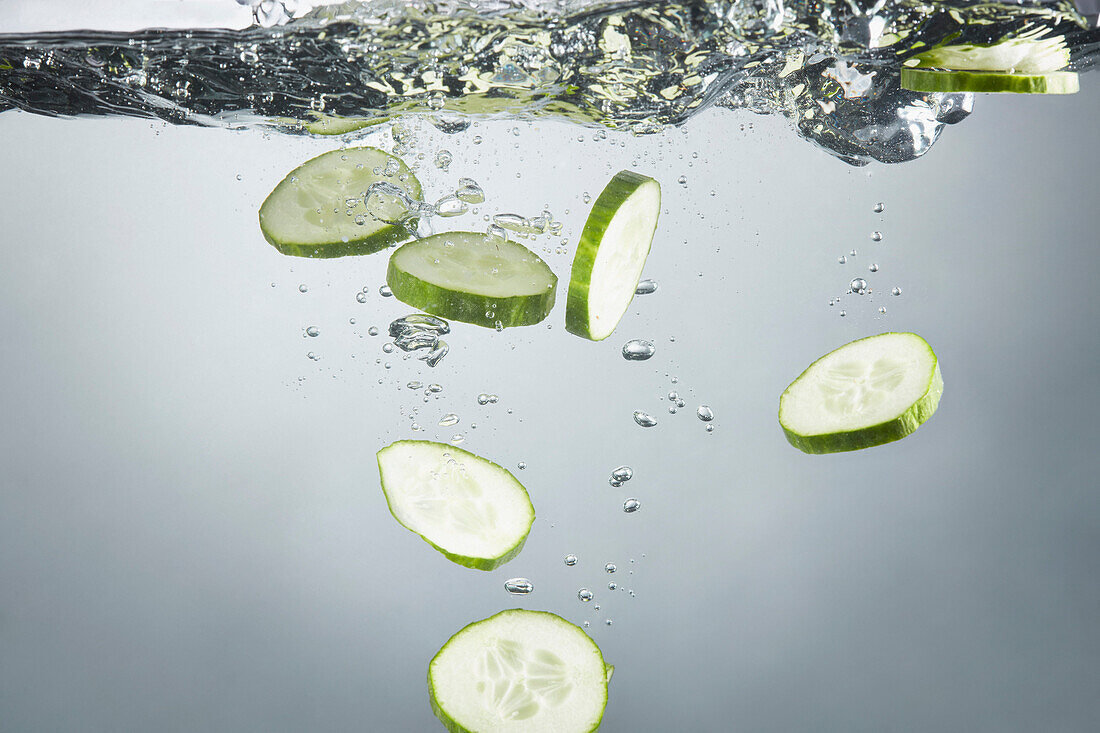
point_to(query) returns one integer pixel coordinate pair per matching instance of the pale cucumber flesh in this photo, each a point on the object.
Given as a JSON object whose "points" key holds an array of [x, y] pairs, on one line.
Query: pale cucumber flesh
{"points": [[473, 277], [470, 509], [320, 210], [866, 393], [519, 672], [611, 254], [994, 82]]}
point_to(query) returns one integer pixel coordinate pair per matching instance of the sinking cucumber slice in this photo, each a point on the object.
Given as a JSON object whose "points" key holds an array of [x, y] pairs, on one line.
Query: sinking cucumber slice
{"points": [[308, 213], [935, 80], [474, 278], [612, 252], [872, 391], [1029, 53], [519, 672], [470, 509]]}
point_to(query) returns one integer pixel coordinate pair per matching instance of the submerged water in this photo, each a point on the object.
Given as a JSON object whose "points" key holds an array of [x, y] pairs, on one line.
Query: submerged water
{"points": [[830, 67], [192, 533]]}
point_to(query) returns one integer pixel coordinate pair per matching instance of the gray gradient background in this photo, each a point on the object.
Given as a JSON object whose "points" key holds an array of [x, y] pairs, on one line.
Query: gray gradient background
{"points": [[191, 538]]}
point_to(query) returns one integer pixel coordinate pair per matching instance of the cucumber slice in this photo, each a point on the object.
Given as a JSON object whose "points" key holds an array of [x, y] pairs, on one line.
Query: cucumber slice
{"points": [[1026, 54], [612, 252], [474, 278], [519, 672], [866, 393], [307, 215], [470, 509], [935, 80]]}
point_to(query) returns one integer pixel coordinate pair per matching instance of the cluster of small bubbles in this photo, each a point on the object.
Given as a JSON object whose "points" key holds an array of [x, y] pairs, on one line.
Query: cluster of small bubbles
{"points": [[621, 475], [313, 356], [858, 286], [895, 291], [879, 207], [361, 297], [645, 287], [303, 288], [570, 560], [638, 350], [385, 291], [521, 465], [448, 420], [313, 331], [876, 236], [705, 413], [585, 595], [610, 567], [842, 259], [644, 419], [873, 267], [519, 586], [586, 197], [631, 505]]}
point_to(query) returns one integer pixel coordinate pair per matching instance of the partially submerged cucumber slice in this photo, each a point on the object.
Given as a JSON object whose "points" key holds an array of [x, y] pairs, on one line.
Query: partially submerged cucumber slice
{"points": [[612, 252], [519, 672], [470, 509], [1025, 54], [866, 393], [308, 213], [935, 80], [473, 277]]}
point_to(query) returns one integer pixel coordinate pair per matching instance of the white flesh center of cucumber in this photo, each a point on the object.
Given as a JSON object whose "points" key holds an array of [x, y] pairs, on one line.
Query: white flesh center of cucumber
{"points": [[865, 383], [311, 206], [620, 258], [480, 264], [521, 672], [461, 503]]}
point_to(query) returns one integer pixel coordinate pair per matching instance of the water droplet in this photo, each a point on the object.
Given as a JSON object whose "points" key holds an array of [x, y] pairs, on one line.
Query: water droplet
{"points": [[873, 267], [682, 180], [519, 586], [621, 475], [385, 291], [361, 297], [312, 356], [433, 388], [705, 413], [372, 331], [645, 287], [448, 420], [387, 348], [313, 331], [631, 505], [303, 288], [609, 621], [637, 350], [612, 585], [483, 399], [842, 259], [858, 286], [895, 291], [476, 140], [843, 313], [443, 159], [521, 465], [710, 428], [882, 310], [876, 236], [570, 560], [449, 206], [585, 595], [644, 419], [414, 384], [469, 191], [435, 355], [610, 567], [880, 207]]}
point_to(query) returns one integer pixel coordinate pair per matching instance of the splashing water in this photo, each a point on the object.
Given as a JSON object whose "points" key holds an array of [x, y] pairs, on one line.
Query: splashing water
{"points": [[830, 66]]}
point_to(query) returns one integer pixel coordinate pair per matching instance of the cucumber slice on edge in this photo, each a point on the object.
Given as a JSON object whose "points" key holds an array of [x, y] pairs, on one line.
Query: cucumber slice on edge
{"points": [[474, 278], [866, 393], [936, 80], [469, 508], [289, 217], [519, 672], [608, 263]]}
